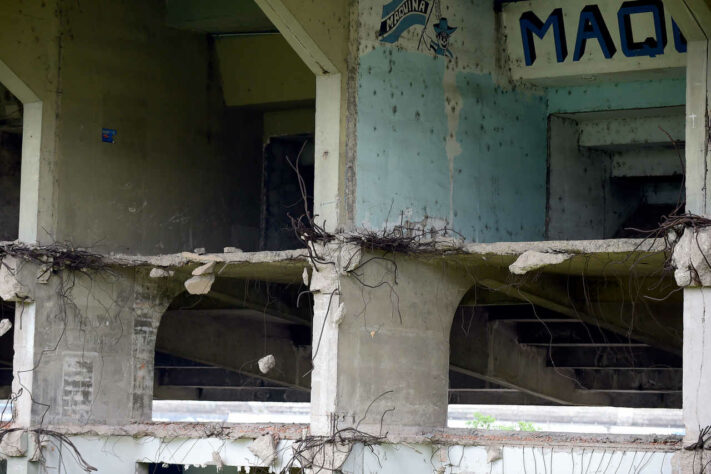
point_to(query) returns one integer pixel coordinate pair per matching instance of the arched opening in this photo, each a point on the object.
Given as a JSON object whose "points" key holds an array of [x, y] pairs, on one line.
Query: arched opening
{"points": [[526, 351], [245, 341]]}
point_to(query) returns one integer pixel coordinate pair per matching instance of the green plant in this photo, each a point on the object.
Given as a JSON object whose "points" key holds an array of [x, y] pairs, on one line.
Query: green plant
{"points": [[481, 421], [486, 422]]}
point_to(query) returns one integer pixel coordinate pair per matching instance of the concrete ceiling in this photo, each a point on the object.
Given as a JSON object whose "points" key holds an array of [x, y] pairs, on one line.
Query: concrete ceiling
{"points": [[217, 16]]}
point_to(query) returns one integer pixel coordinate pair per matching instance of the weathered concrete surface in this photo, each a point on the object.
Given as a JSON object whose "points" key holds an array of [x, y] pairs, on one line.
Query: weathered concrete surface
{"points": [[531, 260], [84, 350], [691, 257], [458, 450], [375, 316], [697, 354]]}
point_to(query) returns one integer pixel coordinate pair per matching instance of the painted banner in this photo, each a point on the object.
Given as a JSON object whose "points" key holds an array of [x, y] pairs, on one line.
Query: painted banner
{"points": [[554, 38], [400, 15]]}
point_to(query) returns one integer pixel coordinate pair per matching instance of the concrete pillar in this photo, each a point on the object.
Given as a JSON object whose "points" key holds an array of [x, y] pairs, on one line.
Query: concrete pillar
{"points": [[381, 340], [690, 256], [84, 346], [697, 360]]}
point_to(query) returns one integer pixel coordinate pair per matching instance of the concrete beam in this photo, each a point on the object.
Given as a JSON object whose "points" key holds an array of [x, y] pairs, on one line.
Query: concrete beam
{"points": [[642, 319], [616, 134], [615, 358], [635, 381]]}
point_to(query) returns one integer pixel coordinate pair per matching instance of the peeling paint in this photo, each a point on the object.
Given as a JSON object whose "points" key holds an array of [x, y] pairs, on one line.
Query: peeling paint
{"points": [[453, 107]]}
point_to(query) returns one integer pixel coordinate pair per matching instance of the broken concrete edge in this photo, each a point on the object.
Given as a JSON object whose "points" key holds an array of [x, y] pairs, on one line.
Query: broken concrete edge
{"points": [[443, 437], [301, 256], [533, 260], [574, 247], [691, 257]]}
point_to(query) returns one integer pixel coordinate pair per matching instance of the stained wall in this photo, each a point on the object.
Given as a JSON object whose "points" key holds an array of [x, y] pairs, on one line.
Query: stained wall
{"points": [[452, 139]]}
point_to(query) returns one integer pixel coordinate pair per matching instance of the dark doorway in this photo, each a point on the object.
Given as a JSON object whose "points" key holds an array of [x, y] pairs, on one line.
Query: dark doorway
{"points": [[10, 161], [282, 191]]}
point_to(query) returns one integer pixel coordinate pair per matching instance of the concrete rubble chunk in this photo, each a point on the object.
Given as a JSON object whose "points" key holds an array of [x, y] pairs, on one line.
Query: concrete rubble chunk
{"points": [[533, 260], [200, 284], [264, 448], [161, 273], [232, 250], [14, 444], [200, 251], [328, 457], [10, 288], [217, 459], [494, 453], [206, 269], [44, 273], [691, 257], [266, 364], [5, 326]]}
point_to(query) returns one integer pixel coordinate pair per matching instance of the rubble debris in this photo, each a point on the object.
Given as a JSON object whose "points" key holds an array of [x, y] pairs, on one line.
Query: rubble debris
{"points": [[232, 250], [10, 288], [266, 364], [532, 260], [206, 269], [494, 453], [329, 455], [200, 251], [161, 273], [14, 444], [690, 257], [44, 273], [5, 326], [217, 459], [200, 284], [264, 448]]}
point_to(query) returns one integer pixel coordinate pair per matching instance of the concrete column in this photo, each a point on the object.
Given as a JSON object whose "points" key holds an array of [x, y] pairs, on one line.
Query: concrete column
{"points": [[697, 360], [84, 346], [381, 340], [690, 255]]}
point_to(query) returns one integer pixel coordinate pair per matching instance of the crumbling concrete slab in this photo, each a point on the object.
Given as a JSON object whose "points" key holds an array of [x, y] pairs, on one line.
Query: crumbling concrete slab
{"points": [[264, 448], [200, 284], [5, 326], [10, 288], [532, 260]]}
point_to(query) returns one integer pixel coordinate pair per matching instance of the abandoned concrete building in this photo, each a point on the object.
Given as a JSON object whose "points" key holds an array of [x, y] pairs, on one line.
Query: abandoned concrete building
{"points": [[377, 209]]}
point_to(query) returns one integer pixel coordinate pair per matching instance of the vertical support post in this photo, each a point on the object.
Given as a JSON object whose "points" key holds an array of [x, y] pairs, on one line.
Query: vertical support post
{"points": [[381, 341], [697, 121], [694, 17]]}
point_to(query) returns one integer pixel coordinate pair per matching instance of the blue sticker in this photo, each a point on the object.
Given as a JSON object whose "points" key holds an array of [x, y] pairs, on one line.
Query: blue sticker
{"points": [[108, 135]]}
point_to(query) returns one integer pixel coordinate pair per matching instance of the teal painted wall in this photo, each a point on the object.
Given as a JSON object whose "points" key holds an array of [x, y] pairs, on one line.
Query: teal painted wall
{"points": [[402, 165], [495, 188], [615, 96]]}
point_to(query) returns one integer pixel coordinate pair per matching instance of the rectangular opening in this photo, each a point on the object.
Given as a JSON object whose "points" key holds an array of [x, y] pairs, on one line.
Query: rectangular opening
{"points": [[614, 174]]}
